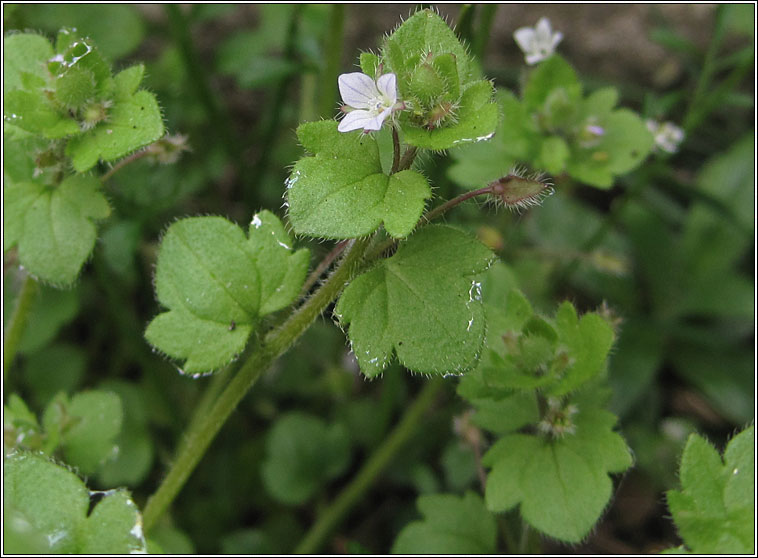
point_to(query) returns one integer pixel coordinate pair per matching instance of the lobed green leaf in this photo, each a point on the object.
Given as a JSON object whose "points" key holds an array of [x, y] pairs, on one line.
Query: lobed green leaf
{"points": [[50, 503], [342, 192], [451, 525], [302, 454], [561, 484], [427, 285], [715, 510], [54, 227], [217, 283]]}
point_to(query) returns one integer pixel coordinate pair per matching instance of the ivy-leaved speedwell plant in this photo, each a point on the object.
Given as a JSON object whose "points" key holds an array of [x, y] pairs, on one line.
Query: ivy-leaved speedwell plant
{"points": [[405, 288]]}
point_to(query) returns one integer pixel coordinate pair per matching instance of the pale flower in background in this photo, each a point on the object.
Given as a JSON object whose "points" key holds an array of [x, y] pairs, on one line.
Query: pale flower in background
{"points": [[539, 42], [667, 135], [367, 102]]}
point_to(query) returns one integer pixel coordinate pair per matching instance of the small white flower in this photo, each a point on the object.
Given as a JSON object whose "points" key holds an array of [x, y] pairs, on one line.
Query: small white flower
{"points": [[667, 135], [539, 42], [367, 102]]}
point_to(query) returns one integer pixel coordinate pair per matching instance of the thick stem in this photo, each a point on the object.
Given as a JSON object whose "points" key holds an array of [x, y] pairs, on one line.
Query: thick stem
{"points": [[372, 468], [18, 320], [274, 344]]}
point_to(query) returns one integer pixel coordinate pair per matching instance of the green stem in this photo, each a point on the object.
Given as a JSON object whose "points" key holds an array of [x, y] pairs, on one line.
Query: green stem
{"points": [[268, 138], [487, 18], [122, 163], [274, 344], [465, 23], [692, 117], [210, 395], [372, 468], [18, 320], [222, 125], [333, 53], [430, 216]]}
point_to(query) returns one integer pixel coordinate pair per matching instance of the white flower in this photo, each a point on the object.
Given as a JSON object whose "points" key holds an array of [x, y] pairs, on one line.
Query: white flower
{"points": [[367, 102], [537, 43], [667, 135]]}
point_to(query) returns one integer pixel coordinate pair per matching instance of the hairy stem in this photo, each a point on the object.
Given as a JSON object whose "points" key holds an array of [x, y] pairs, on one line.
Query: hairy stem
{"points": [[408, 157], [322, 267], [18, 320], [122, 163], [276, 342], [430, 216], [372, 468]]}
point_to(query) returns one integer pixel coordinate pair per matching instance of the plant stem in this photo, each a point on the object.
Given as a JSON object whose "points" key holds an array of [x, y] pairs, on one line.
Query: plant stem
{"points": [[408, 157], [395, 151], [122, 163], [199, 438], [376, 463], [430, 216], [448, 205], [221, 123], [268, 138], [464, 25], [333, 54], [693, 116], [18, 320], [487, 17], [322, 267]]}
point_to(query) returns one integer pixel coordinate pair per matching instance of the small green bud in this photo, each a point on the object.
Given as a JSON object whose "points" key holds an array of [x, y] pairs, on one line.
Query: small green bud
{"points": [[75, 87], [426, 82], [94, 113], [518, 191]]}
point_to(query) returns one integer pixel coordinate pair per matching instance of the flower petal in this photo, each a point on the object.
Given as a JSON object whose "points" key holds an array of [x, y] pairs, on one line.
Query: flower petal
{"points": [[362, 120], [358, 90], [557, 37], [543, 29], [387, 85], [524, 38]]}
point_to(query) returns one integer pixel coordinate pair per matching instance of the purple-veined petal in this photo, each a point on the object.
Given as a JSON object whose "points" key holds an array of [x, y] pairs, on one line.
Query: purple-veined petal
{"points": [[387, 86], [358, 90], [362, 120]]}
